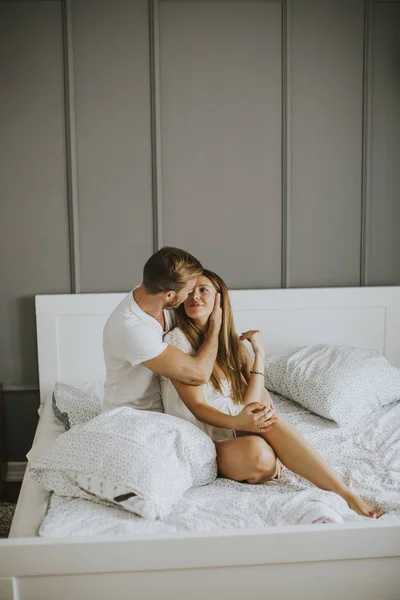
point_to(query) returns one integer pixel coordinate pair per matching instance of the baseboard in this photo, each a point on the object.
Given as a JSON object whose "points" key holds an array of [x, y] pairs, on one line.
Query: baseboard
{"points": [[15, 471]]}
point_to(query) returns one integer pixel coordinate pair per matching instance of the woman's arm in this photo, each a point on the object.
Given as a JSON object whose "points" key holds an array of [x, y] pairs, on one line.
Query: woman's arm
{"points": [[254, 391], [246, 361], [251, 419]]}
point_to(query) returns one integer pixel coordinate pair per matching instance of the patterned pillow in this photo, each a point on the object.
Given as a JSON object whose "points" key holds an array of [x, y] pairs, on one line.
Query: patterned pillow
{"points": [[75, 405], [139, 460], [341, 383]]}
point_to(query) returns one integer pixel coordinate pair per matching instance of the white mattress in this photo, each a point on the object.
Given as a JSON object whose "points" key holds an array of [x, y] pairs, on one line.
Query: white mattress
{"points": [[367, 456]]}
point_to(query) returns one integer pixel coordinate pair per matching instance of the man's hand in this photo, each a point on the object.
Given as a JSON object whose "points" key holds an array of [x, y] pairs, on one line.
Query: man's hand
{"points": [[216, 315], [255, 418]]}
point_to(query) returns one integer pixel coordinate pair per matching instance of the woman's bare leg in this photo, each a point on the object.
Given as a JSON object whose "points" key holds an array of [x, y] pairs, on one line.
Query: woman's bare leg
{"points": [[249, 459], [298, 456]]}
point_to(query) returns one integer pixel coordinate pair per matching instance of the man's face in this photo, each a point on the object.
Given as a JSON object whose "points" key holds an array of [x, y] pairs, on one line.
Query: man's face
{"points": [[179, 297]]}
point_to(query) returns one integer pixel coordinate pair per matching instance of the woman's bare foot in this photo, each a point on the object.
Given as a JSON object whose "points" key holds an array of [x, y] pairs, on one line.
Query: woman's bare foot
{"points": [[362, 508]]}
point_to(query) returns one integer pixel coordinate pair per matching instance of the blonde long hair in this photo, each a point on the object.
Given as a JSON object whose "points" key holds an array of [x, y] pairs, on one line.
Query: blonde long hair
{"points": [[228, 357]]}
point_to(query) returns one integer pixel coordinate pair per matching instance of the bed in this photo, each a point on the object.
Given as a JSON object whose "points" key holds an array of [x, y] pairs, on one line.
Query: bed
{"points": [[221, 556]]}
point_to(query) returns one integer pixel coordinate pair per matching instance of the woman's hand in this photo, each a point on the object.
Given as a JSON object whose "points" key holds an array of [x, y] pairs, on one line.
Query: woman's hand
{"points": [[255, 418], [254, 336]]}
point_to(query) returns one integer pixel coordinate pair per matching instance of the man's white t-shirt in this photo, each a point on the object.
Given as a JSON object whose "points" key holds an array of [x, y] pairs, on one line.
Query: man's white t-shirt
{"points": [[131, 337]]}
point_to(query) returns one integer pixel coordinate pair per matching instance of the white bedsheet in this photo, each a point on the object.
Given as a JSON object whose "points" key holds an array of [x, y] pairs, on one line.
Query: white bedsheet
{"points": [[367, 457]]}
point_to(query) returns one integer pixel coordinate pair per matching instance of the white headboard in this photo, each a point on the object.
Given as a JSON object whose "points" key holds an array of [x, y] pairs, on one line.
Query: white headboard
{"points": [[69, 327]]}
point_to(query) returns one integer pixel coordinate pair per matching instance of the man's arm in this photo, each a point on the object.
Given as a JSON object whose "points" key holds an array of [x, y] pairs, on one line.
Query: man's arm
{"points": [[192, 370]]}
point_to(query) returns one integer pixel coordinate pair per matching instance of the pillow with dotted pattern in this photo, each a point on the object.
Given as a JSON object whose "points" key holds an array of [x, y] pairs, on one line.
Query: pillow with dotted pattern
{"points": [[77, 404], [341, 383], [138, 460]]}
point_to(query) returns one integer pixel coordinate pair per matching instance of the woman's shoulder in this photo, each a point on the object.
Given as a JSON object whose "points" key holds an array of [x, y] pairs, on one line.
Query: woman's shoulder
{"points": [[177, 338]]}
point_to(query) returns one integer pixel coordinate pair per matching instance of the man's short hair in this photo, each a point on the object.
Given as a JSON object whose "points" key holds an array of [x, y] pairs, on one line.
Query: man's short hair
{"points": [[170, 269]]}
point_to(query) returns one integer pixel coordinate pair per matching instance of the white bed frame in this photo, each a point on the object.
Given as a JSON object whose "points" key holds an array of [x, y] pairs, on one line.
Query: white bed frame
{"points": [[324, 562]]}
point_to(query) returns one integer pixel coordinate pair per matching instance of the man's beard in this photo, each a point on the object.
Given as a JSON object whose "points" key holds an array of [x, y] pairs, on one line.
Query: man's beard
{"points": [[171, 305]]}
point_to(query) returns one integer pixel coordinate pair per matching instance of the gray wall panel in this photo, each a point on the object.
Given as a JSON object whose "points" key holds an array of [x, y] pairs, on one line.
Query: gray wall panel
{"points": [[33, 209], [220, 141], [384, 224], [220, 106], [326, 80], [112, 105]]}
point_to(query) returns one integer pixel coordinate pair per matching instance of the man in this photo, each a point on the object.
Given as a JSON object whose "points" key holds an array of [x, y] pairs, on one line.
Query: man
{"points": [[133, 345]]}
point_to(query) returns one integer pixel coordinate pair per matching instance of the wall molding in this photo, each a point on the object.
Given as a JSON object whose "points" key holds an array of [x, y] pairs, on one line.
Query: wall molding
{"points": [[70, 140], [15, 471], [286, 142], [366, 147], [155, 118]]}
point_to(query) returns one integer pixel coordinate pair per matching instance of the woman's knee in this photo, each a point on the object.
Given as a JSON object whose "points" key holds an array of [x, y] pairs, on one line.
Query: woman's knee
{"points": [[262, 461]]}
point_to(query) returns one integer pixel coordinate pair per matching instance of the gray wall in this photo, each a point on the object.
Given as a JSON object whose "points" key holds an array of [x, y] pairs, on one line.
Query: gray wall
{"points": [[263, 137]]}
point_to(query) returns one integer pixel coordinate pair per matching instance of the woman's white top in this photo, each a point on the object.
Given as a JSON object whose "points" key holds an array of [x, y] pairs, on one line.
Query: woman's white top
{"points": [[173, 405]]}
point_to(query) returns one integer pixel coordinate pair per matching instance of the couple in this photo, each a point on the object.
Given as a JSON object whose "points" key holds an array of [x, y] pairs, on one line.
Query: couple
{"points": [[178, 324]]}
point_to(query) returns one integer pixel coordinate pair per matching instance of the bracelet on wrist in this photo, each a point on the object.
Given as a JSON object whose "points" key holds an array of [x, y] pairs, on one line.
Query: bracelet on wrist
{"points": [[257, 373]]}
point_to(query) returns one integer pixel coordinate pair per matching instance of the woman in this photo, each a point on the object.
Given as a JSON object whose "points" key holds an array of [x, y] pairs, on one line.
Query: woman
{"points": [[221, 407]]}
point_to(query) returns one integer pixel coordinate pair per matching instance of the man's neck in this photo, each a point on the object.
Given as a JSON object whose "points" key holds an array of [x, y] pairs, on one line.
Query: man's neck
{"points": [[151, 305]]}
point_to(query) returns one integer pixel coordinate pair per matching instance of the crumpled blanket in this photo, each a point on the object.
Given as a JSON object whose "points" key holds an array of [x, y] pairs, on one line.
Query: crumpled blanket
{"points": [[365, 455]]}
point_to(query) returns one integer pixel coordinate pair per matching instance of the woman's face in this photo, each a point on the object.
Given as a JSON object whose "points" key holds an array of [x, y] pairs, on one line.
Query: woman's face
{"points": [[200, 302]]}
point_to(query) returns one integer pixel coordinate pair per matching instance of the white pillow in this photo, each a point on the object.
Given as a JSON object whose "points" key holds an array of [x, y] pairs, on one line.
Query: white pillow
{"points": [[341, 383], [142, 461], [75, 405]]}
